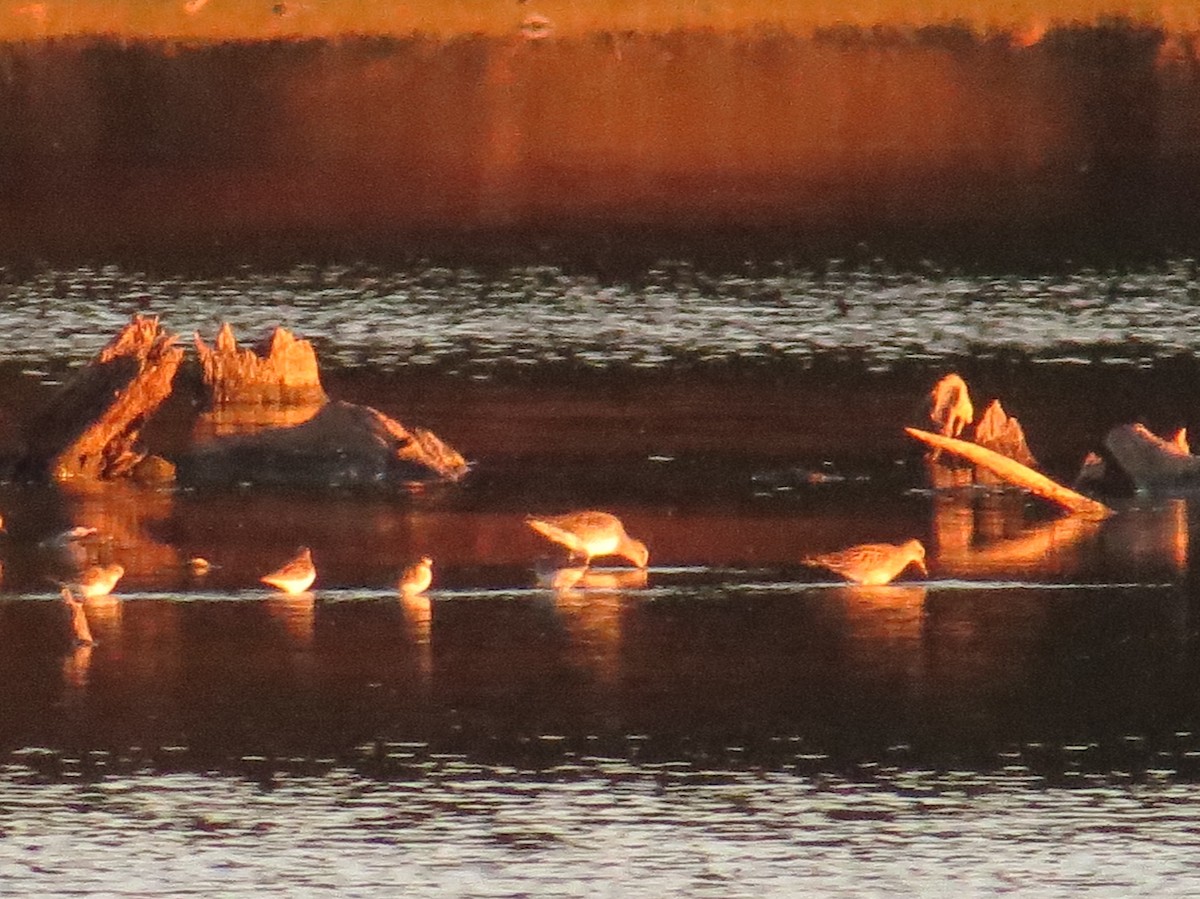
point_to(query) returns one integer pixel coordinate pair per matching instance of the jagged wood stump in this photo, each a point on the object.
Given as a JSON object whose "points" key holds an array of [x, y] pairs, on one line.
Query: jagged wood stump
{"points": [[280, 370], [90, 429], [276, 383]]}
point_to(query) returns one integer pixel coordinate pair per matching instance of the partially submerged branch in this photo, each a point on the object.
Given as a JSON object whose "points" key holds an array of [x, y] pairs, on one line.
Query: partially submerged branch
{"points": [[1014, 472]]}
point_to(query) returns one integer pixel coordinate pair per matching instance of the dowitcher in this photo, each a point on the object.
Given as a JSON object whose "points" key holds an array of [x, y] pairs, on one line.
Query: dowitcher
{"points": [[294, 576], [872, 563], [589, 534]]}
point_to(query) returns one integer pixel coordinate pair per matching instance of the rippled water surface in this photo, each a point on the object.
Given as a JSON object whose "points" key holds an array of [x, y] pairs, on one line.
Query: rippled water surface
{"points": [[729, 723], [481, 321]]}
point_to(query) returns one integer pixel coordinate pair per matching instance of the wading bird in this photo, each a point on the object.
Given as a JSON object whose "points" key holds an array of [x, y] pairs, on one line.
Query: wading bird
{"points": [[872, 563], [417, 577], [294, 576], [589, 534], [96, 580]]}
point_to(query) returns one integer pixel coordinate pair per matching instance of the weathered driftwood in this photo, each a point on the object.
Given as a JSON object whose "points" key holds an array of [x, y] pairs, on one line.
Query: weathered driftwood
{"points": [[91, 427], [279, 370], [1154, 464], [342, 445], [1014, 472]]}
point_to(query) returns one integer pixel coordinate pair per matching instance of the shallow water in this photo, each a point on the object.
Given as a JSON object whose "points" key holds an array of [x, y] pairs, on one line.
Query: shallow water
{"points": [[732, 723]]}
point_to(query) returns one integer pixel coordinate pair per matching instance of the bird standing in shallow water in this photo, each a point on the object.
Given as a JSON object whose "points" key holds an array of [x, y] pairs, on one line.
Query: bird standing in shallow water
{"points": [[417, 577], [96, 580], [295, 576], [589, 534], [872, 563]]}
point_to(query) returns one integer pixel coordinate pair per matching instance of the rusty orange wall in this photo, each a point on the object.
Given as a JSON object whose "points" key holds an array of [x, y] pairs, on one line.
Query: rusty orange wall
{"points": [[255, 19], [866, 130]]}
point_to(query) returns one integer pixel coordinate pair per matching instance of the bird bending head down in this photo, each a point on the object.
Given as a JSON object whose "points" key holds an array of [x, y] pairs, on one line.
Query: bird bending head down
{"points": [[589, 533], [872, 564]]}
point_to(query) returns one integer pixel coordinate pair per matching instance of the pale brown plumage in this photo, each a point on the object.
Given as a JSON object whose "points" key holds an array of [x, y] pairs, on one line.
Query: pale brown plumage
{"points": [[417, 577], [96, 580], [589, 534], [872, 563], [295, 576]]}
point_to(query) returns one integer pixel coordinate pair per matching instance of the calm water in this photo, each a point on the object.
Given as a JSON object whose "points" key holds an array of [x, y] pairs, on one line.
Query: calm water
{"points": [[733, 724]]}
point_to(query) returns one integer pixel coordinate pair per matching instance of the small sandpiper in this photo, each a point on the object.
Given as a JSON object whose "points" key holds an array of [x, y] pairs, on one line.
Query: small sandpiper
{"points": [[96, 580], [199, 566], [589, 534], [872, 564], [294, 576], [417, 577]]}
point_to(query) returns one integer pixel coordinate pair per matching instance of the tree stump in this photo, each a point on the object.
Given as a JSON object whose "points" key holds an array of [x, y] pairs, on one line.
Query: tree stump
{"points": [[274, 384], [91, 427], [279, 371]]}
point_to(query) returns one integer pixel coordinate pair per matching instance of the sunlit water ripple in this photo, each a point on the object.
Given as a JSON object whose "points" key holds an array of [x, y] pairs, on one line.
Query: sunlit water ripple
{"points": [[596, 827], [461, 319]]}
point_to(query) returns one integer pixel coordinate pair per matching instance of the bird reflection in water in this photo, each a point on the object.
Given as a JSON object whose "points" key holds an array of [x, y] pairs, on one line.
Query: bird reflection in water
{"points": [[589, 603], [417, 609], [294, 611], [81, 631], [884, 630]]}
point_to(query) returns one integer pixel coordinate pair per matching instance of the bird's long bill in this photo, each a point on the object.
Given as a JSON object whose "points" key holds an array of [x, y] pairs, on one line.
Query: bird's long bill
{"points": [[920, 563]]}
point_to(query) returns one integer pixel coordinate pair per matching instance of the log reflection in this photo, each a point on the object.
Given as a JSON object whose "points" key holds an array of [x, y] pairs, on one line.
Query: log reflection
{"points": [[991, 537], [1154, 538], [248, 419], [126, 517]]}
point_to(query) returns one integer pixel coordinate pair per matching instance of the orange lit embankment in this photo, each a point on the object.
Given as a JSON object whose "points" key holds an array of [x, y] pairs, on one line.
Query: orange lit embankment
{"points": [[202, 127]]}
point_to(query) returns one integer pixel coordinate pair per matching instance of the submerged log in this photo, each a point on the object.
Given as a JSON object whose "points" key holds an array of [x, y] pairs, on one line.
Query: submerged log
{"points": [[279, 370], [91, 427], [1154, 464], [343, 445], [1014, 472]]}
